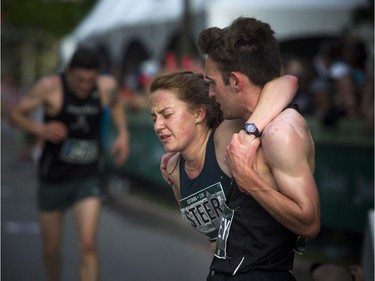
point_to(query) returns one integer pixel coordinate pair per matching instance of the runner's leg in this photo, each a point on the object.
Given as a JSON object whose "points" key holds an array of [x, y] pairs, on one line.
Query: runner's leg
{"points": [[86, 213], [51, 224]]}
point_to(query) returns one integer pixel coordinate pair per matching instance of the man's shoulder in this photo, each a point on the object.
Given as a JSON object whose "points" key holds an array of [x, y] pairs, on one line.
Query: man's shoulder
{"points": [[50, 81], [224, 132], [48, 84], [108, 88], [229, 127], [286, 124], [106, 81], [107, 85]]}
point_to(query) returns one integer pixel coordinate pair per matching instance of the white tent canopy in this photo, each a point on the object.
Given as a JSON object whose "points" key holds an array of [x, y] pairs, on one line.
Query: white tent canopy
{"points": [[288, 18], [109, 15], [115, 22]]}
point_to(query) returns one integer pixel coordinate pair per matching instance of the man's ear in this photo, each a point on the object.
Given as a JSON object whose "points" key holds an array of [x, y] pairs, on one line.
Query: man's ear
{"points": [[236, 80]]}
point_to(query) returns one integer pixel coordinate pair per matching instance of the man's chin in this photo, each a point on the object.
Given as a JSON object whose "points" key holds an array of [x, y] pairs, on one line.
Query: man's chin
{"points": [[82, 95], [229, 117]]}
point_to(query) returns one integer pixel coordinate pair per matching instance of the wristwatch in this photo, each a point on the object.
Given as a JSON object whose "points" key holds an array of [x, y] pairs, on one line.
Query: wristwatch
{"points": [[251, 129]]}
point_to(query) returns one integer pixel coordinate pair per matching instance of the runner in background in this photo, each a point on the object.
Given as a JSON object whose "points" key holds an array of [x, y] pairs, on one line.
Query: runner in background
{"points": [[72, 102]]}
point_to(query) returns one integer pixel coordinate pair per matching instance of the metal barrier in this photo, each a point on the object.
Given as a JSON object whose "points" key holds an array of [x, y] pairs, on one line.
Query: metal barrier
{"points": [[344, 167], [368, 248], [344, 173]]}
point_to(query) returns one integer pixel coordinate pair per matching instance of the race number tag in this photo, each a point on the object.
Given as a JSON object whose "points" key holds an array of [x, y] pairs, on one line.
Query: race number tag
{"points": [[225, 224], [300, 245], [79, 151], [203, 209]]}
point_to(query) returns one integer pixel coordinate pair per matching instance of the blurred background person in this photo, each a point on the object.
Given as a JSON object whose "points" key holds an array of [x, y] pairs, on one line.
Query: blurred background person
{"points": [[68, 170]]}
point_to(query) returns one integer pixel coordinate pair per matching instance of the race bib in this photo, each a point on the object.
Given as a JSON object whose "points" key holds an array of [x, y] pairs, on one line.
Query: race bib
{"points": [[79, 151], [203, 209], [225, 224]]}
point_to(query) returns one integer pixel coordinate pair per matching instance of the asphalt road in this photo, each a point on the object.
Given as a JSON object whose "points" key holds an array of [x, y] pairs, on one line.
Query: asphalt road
{"points": [[139, 238], [138, 242]]}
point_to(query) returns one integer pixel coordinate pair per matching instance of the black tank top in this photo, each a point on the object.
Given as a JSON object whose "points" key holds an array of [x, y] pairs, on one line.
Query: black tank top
{"points": [[203, 197], [78, 155], [250, 238]]}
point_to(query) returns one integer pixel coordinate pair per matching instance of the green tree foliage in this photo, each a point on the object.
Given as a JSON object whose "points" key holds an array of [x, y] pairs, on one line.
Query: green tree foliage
{"points": [[55, 17]]}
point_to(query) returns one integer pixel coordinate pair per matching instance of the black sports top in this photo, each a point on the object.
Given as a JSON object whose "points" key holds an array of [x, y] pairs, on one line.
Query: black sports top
{"points": [[77, 156], [250, 238], [203, 197]]}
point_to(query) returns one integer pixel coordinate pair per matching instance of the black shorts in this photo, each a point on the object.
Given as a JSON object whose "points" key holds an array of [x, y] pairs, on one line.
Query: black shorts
{"points": [[254, 275], [59, 196]]}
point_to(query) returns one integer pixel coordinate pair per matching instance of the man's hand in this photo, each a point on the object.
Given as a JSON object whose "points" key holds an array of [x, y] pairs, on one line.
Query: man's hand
{"points": [[241, 155], [54, 131], [163, 166]]}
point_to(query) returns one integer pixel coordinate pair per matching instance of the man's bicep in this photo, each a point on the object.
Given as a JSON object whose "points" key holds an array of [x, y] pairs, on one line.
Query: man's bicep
{"points": [[291, 170], [294, 182], [31, 101]]}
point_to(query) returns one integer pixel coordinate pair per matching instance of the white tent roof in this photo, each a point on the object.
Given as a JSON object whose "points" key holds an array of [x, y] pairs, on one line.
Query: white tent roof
{"points": [[110, 14], [291, 4], [286, 17]]}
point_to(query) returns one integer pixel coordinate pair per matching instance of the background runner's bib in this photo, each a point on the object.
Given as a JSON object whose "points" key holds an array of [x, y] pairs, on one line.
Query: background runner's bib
{"points": [[79, 151]]}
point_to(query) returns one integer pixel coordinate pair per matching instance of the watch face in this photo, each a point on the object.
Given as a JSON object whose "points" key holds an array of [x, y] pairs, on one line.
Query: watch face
{"points": [[250, 128]]}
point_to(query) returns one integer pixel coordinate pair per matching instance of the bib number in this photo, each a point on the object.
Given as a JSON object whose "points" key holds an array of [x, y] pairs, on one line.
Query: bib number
{"points": [[78, 151], [203, 209]]}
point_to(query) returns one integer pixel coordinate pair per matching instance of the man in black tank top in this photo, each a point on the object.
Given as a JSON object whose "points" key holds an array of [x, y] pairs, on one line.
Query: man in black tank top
{"points": [[274, 198], [73, 103]]}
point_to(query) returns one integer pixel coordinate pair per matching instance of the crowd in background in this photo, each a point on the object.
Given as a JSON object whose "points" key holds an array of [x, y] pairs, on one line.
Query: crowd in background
{"points": [[336, 83]]}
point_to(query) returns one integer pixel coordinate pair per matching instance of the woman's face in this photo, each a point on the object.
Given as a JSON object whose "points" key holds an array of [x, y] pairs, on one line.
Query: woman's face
{"points": [[174, 122]]}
